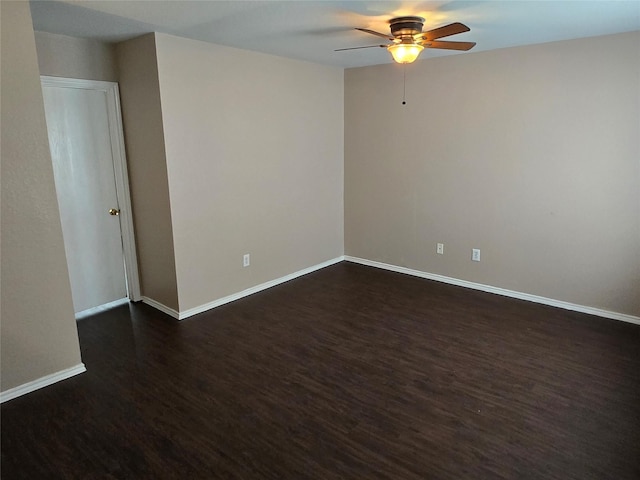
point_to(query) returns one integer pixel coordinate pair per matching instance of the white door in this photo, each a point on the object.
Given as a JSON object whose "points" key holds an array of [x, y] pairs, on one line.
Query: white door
{"points": [[83, 139]]}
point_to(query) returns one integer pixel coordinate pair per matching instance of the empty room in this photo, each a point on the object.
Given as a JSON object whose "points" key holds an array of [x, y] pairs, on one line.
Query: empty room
{"points": [[320, 239]]}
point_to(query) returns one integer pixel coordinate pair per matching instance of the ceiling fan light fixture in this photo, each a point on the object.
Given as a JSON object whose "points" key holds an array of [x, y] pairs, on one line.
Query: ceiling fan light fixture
{"points": [[405, 52]]}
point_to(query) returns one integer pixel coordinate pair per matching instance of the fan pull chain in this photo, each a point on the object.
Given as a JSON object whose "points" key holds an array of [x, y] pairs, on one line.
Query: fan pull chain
{"points": [[404, 83]]}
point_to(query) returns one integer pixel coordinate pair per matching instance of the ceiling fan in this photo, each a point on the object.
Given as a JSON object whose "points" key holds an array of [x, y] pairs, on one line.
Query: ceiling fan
{"points": [[409, 39]]}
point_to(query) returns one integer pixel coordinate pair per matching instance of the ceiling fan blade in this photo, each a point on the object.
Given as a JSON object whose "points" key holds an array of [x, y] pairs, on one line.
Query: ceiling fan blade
{"points": [[451, 29], [356, 48], [378, 34], [449, 45]]}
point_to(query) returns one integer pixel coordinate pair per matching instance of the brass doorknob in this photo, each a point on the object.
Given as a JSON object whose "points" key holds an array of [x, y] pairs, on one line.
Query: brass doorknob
{"points": [[114, 211]]}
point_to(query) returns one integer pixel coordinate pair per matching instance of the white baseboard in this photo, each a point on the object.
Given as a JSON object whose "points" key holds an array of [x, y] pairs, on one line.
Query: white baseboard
{"points": [[499, 291], [258, 288], [41, 382], [159, 306], [236, 296], [101, 308]]}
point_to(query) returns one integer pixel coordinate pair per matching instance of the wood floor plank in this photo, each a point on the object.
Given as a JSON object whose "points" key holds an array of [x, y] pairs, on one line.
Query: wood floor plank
{"points": [[347, 373]]}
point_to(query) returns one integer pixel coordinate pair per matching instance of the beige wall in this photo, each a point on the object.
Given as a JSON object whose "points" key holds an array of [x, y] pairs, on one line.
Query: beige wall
{"points": [[146, 160], [255, 157], [62, 56], [38, 330], [530, 154]]}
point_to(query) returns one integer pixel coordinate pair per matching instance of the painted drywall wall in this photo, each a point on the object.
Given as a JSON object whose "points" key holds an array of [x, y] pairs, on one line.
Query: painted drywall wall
{"points": [[255, 161], [38, 330], [530, 154], [147, 164], [63, 56]]}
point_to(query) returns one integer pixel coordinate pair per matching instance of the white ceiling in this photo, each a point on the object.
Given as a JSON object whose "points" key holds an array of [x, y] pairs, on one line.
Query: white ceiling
{"points": [[311, 30]]}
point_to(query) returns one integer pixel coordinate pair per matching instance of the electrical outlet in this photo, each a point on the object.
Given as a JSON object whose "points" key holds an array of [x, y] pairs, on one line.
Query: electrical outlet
{"points": [[246, 260], [475, 254], [440, 248]]}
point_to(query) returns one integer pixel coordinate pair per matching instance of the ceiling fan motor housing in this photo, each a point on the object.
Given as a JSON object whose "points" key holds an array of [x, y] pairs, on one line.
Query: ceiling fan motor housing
{"points": [[406, 26]]}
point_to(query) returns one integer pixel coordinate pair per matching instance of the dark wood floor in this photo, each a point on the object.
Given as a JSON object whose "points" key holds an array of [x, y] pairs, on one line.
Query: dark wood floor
{"points": [[349, 372]]}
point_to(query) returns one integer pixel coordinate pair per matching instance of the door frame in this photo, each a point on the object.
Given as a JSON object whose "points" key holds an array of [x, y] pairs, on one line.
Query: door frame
{"points": [[121, 175]]}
